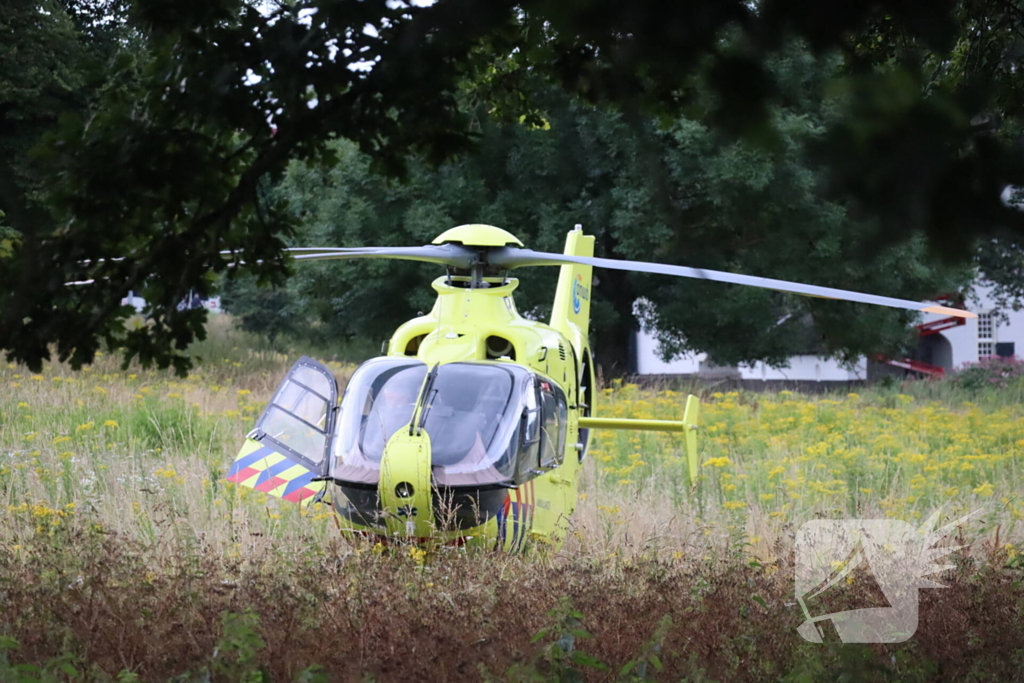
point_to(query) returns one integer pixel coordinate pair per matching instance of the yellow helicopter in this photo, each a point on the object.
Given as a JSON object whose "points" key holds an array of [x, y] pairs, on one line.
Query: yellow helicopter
{"points": [[473, 426]]}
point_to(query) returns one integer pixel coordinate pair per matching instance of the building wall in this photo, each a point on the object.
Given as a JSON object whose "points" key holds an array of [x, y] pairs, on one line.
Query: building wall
{"points": [[648, 362], [807, 368], [801, 368], [963, 348], [964, 339]]}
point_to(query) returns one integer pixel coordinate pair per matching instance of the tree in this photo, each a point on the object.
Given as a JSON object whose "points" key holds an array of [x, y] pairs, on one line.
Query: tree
{"points": [[40, 76], [683, 194], [172, 169]]}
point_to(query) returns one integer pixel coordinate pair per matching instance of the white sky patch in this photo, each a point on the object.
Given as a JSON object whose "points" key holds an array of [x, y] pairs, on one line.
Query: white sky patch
{"points": [[251, 77], [363, 66], [371, 30], [1013, 196], [306, 15]]}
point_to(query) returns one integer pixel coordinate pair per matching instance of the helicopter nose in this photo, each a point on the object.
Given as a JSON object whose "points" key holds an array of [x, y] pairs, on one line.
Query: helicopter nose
{"points": [[405, 486]]}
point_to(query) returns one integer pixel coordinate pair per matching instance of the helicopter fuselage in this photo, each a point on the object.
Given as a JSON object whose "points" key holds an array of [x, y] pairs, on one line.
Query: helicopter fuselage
{"points": [[471, 429]]}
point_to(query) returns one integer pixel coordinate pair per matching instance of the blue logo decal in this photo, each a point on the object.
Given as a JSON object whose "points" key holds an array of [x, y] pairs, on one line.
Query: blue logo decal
{"points": [[579, 293]]}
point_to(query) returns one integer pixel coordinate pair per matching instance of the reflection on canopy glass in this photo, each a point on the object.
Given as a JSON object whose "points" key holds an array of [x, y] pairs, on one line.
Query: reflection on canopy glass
{"points": [[471, 417], [380, 400]]}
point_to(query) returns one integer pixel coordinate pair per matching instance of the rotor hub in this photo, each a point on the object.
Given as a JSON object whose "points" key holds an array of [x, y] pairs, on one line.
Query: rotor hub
{"points": [[478, 235]]}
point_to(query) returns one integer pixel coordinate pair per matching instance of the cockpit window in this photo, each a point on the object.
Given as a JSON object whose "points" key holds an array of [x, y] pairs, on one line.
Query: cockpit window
{"points": [[379, 400], [472, 413], [554, 422]]}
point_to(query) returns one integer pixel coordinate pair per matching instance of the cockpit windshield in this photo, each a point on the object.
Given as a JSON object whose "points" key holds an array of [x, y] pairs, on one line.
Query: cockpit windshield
{"points": [[471, 412], [471, 415], [379, 400]]}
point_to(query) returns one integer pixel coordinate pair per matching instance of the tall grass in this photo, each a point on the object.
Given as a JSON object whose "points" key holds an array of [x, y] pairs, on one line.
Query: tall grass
{"points": [[114, 512]]}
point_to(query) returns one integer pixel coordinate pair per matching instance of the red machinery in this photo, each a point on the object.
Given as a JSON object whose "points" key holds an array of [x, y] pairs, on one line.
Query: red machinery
{"points": [[926, 329]]}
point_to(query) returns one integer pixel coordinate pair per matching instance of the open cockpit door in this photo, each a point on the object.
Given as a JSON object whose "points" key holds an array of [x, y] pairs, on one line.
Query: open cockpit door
{"points": [[286, 453], [299, 420]]}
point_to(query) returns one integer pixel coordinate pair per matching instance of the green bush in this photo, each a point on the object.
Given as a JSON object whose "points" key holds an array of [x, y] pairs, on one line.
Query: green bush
{"points": [[994, 372]]}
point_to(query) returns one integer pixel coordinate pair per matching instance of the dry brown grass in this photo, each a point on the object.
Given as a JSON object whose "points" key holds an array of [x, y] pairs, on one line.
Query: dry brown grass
{"points": [[358, 613]]}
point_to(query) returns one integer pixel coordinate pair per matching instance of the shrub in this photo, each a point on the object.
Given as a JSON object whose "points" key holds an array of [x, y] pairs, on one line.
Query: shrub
{"points": [[994, 372]]}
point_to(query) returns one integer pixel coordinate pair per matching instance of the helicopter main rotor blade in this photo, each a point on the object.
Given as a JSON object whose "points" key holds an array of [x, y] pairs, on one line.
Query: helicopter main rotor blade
{"points": [[510, 257], [452, 255]]}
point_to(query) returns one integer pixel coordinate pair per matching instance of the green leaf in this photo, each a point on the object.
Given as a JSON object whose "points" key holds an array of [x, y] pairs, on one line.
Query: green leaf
{"points": [[588, 660]]}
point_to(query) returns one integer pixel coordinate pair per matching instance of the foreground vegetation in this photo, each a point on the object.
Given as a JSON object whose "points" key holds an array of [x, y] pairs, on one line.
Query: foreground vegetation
{"points": [[124, 553]]}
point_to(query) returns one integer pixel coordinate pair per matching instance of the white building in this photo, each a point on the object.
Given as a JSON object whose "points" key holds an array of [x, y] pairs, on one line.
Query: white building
{"points": [[191, 301], [990, 334]]}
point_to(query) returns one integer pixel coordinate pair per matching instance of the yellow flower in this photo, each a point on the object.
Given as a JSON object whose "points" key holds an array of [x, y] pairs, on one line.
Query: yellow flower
{"points": [[112, 424], [734, 504], [985, 490], [244, 392], [88, 426], [717, 462]]}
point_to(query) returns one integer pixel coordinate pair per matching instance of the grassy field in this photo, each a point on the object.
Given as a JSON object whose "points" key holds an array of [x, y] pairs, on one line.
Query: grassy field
{"points": [[125, 556]]}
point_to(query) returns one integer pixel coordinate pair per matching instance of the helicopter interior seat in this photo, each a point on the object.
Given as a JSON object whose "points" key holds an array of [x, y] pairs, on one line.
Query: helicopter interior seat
{"points": [[453, 438]]}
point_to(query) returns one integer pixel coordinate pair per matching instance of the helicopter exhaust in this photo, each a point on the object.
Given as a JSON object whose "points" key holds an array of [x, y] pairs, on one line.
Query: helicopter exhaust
{"points": [[498, 347]]}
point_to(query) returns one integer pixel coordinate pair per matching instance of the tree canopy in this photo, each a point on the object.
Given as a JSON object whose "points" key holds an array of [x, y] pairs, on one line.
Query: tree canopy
{"points": [[171, 157], [683, 193]]}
